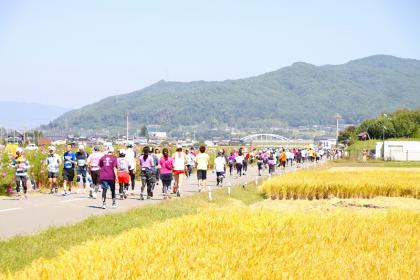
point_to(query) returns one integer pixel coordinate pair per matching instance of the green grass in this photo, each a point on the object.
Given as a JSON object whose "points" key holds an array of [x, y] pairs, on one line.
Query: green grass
{"points": [[371, 144], [361, 145], [401, 163], [20, 251]]}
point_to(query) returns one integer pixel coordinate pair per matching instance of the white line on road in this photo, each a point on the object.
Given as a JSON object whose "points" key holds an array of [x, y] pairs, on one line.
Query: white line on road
{"points": [[10, 209], [75, 199]]}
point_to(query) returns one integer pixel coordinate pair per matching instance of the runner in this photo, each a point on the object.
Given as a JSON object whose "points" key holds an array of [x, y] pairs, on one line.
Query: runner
{"points": [[53, 162], [299, 158], [130, 155], [271, 164], [239, 159], [283, 159], [220, 167], [156, 156], [166, 166], [68, 169], [147, 173], [252, 157], [290, 157], [190, 157], [260, 163], [93, 165], [310, 155], [304, 155], [21, 164], [179, 168], [245, 162], [108, 175], [231, 162], [265, 158], [316, 155], [81, 157], [202, 161], [123, 167]]}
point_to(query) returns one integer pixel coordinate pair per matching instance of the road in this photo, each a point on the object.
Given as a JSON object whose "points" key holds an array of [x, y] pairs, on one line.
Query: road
{"points": [[41, 211]]}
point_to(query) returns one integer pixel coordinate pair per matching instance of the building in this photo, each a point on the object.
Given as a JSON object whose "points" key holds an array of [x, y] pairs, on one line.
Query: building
{"points": [[15, 137], [326, 143], [158, 134], [398, 150]]}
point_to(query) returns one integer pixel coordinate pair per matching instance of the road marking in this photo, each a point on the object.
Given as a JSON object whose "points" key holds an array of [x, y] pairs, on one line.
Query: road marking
{"points": [[10, 209], [75, 199]]}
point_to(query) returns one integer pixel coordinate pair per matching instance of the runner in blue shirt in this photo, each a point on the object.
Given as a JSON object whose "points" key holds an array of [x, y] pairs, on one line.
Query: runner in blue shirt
{"points": [[68, 169]]}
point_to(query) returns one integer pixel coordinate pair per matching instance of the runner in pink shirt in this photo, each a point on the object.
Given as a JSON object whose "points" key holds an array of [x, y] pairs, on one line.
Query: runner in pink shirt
{"points": [[93, 167], [166, 166]]}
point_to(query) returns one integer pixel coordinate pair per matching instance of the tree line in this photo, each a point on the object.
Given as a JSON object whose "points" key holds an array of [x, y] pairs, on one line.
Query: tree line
{"points": [[399, 124]]}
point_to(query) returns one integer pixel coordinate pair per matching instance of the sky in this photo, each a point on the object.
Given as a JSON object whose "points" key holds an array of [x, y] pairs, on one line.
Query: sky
{"points": [[73, 53]]}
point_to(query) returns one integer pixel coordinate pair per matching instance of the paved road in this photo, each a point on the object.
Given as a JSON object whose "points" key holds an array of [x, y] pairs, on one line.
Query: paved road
{"points": [[18, 217]]}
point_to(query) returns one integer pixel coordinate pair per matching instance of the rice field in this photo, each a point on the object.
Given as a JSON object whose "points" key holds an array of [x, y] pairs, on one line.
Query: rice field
{"points": [[341, 183], [247, 244]]}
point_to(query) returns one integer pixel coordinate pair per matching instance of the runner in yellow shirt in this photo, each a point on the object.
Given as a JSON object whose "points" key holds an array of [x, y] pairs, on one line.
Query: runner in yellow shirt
{"points": [[202, 162]]}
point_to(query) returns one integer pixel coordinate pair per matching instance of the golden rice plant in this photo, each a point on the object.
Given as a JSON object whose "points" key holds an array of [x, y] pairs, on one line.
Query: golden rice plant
{"points": [[320, 184], [246, 244]]}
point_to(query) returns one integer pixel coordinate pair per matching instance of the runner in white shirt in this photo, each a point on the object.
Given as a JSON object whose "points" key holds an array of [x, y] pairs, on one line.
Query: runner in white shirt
{"points": [[239, 160], [219, 166], [130, 155], [53, 162]]}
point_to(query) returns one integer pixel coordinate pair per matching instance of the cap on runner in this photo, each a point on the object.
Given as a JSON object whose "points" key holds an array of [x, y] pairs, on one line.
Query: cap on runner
{"points": [[51, 148], [81, 147], [110, 149], [96, 148], [122, 152], [19, 150]]}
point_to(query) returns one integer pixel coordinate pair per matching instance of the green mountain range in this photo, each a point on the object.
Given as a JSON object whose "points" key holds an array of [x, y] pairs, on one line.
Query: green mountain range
{"points": [[300, 94]]}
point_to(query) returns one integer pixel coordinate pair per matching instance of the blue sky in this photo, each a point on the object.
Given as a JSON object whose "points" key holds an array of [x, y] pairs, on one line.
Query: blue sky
{"points": [[71, 53]]}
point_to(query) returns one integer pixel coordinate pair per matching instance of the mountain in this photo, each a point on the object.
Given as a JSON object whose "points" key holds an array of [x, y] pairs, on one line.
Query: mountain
{"points": [[299, 94], [21, 115]]}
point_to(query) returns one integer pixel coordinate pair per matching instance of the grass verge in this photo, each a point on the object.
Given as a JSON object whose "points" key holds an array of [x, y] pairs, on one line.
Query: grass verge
{"points": [[17, 252]]}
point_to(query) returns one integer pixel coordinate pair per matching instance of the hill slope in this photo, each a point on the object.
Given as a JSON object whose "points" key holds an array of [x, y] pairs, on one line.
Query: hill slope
{"points": [[298, 94]]}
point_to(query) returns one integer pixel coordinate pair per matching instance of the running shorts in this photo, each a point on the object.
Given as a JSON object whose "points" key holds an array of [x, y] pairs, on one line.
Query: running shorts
{"points": [[52, 175], [201, 174], [123, 178], [178, 172], [68, 175], [95, 177]]}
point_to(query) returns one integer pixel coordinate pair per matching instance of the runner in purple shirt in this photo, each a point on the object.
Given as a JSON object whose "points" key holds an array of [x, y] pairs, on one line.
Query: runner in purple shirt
{"points": [[147, 173], [108, 175]]}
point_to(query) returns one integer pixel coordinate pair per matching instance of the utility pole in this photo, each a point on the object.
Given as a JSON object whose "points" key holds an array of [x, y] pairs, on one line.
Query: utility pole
{"points": [[337, 118]]}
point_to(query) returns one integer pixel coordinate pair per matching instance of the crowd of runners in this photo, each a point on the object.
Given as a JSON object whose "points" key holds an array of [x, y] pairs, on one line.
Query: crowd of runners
{"points": [[106, 170]]}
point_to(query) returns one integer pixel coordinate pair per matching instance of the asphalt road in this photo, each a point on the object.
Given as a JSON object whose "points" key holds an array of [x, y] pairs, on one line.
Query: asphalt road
{"points": [[41, 211]]}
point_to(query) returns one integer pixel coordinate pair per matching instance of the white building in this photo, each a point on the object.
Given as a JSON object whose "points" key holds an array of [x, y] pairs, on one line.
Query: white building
{"points": [[158, 134], [398, 150], [326, 143]]}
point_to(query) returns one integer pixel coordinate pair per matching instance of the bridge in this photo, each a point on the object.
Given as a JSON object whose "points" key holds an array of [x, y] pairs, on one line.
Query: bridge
{"points": [[264, 138]]}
